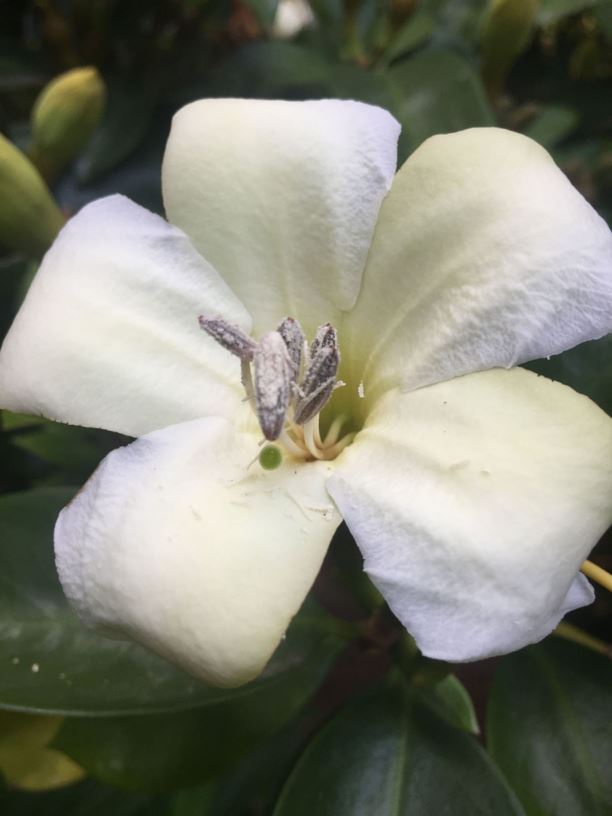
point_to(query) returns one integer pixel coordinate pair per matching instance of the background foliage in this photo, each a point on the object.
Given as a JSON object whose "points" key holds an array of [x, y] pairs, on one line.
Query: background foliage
{"points": [[348, 719]]}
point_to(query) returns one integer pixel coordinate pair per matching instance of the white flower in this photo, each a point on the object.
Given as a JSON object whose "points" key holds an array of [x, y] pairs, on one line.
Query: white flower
{"points": [[473, 492], [290, 18]]}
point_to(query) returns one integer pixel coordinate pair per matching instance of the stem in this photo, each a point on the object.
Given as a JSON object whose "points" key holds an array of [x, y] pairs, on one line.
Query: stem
{"points": [[569, 632], [597, 574], [247, 382]]}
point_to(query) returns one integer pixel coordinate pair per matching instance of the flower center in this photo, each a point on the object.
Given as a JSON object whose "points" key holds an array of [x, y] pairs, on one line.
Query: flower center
{"points": [[287, 383]]}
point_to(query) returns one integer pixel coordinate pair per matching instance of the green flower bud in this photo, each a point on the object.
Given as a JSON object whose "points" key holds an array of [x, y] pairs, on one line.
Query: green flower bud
{"points": [[64, 118], [29, 217], [506, 32]]}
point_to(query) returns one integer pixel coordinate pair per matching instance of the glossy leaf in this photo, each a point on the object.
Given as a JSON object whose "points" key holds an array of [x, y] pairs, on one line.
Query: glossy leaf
{"points": [[270, 70], [72, 452], [549, 728], [349, 81], [450, 700], [413, 33], [51, 663], [127, 118], [436, 92], [390, 756], [456, 23], [553, 124], [165, 751], [87, 798]]}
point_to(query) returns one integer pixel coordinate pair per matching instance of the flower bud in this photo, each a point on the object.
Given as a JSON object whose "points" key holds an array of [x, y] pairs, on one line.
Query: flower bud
{"points": [[29, 217], [64, 117], [506, 33]]}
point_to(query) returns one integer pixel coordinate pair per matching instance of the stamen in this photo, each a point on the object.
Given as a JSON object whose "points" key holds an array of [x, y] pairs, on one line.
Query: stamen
{"points": [[331, 453], [320, 376], [229, 336], [292, 446], [274, 389], [309, 438], [325, 337], [272, 384], [291, 332], [247, 383], [331, 437]]}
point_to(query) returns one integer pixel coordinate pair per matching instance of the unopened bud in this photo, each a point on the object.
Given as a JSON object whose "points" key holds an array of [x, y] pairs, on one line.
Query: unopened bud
{"points": [[29, 217], [506, 33], [64, 117]]}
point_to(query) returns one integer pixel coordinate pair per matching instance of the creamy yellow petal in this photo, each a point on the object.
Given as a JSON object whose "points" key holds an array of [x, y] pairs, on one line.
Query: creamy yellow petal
{"points": [[177, 543], [282, 198], [474, 503], [108, 335], [484, 255]]}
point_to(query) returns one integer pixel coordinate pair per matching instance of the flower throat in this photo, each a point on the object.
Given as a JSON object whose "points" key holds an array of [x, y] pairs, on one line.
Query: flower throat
{"points": [[288, 382]]}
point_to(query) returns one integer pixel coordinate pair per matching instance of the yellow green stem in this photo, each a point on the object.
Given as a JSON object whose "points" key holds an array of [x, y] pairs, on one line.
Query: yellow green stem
{"points": [[597, 574], [576, 635]]}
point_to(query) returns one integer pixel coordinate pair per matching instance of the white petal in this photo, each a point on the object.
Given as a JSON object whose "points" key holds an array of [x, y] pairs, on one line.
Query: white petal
{"points": [[484, 256], [474, 503], [282, 198], [174, 543], [108, 335]]}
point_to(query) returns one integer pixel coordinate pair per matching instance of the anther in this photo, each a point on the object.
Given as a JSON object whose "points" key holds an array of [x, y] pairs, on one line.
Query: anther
{"points": [[326, 336], [272, 384], [229, 336], [291, 332], [320, 377]]}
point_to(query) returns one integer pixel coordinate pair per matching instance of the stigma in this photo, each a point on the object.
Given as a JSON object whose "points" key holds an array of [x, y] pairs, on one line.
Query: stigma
{"points": [[288, 382]]}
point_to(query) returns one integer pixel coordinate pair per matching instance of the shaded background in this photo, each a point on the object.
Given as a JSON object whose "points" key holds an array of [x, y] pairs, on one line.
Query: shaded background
{"points": [[150, 739]]}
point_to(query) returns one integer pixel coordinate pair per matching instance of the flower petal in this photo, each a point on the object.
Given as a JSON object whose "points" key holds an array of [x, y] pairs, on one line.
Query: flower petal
{"points": [[108, 335], [484, 256], [474, 503], [174, 543], [282, 198]]}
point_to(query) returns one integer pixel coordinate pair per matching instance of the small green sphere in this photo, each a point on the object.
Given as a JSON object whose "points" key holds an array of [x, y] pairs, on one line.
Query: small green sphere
{"points": [[270, 457]]}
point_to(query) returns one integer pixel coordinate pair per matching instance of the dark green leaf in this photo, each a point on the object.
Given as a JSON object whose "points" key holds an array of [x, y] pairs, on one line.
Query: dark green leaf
{"points": [[603, 15], [549, 727], [415, 31], [167, 751], [586, 368], [457, 22], [551, 11], [352, 82], [264, 9], [552, 125], [87, 798], [450, 700], [390, 756], [436, 92], [73, 452], [254, 784], [50, 663], [270, 70], [124, 126]]}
